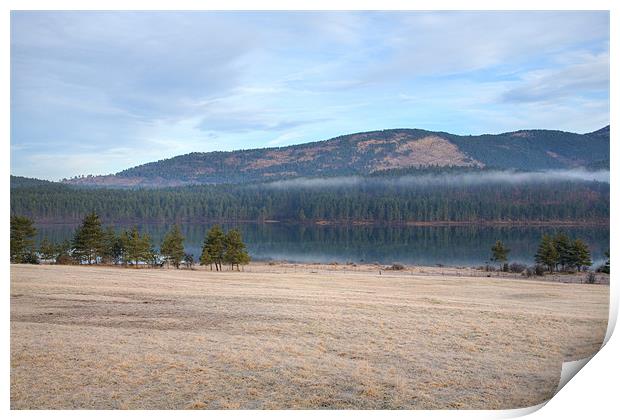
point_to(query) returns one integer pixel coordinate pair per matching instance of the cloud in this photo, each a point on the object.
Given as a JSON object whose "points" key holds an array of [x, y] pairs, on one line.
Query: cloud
{"points": [[448, 43], [241, 122], [587, 76], [164, 83]]}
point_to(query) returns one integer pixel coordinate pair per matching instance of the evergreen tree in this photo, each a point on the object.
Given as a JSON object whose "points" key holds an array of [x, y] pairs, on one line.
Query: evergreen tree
{"points": [[22, 246], [564, 248], [63, 253], [47, 249], [580, 254], [214, 247], [189, 260], [547, 254], [606, 267], [205, 257], [235, 252], [88, 241], [499, 253], [110, 249], [136, 248], [172, 246]]}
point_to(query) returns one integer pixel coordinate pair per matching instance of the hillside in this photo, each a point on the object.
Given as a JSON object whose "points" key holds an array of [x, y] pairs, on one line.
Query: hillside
{"points": [[23, 182], [473, 196], [366, 153]]}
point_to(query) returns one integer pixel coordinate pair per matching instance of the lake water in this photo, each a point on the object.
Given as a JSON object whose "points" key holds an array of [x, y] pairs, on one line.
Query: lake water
{"points": [[423, 245]]}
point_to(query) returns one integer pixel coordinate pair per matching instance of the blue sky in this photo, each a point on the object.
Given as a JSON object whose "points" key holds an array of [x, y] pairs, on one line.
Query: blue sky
{"points": [[98, 92]]}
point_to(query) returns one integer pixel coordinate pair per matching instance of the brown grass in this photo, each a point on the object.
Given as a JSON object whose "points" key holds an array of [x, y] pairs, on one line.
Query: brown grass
{"points": [[271, 337]]}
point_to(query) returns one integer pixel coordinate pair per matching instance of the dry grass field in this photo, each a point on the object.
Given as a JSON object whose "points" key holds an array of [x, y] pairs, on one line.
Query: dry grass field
{"points": [[276, 337]]}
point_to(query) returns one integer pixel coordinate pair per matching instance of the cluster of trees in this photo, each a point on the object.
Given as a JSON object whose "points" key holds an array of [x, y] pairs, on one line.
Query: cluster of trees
{"points": [[220, 247], [94, 244], [560, 253], [555, 253], [366, 201]]}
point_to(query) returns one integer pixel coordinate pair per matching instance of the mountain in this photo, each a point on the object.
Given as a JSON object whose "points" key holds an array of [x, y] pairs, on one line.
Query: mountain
{"points": [[367, 153]]}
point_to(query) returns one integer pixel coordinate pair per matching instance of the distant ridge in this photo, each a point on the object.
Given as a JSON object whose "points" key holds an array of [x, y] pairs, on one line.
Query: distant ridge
{"points": [[369, 152]]}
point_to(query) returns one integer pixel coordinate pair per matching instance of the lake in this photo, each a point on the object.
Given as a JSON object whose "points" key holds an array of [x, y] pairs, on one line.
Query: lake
{"points": [[422, 245]]}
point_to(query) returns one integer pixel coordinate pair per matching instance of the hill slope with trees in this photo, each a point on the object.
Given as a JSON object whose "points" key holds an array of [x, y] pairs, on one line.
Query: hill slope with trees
{"points": [[367, 153], [377, 199]]}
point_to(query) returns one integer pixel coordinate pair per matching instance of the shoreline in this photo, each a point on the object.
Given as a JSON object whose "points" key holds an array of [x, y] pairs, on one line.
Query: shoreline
{"points": [[353, 223]]}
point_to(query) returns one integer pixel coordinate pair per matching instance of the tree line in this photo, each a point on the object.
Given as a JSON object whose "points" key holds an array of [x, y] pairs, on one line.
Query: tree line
{"points": [[557, 253], [364, 202], [94, 244]]}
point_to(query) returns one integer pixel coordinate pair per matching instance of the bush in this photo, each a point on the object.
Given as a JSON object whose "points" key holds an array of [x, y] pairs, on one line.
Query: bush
{"points": [[603, 268], [539, 270], [505, 268], [395, 267], [64, 259], [517, 268], [30, 258], [590, 278]]}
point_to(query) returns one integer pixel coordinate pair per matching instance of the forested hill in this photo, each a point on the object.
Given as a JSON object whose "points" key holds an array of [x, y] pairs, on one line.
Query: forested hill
{"points": [[23, 182], [367, 153], [465, 197]]}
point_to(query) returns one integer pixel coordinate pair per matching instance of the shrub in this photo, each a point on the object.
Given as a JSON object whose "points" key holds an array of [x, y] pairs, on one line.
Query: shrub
{"points": [[395, 267], [590, 278], [603, 268], [64, 259], [30, 258], [517, 268]]}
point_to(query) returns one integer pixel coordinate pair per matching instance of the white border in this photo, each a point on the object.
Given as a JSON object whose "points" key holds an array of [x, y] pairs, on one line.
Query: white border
{"points": [[592, 394]]}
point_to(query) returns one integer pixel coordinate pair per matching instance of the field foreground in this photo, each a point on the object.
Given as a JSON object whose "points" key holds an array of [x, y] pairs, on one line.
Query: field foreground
{"points": [[271, 337]]}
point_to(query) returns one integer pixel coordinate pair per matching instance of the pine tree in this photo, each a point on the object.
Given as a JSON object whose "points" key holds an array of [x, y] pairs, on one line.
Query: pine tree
{"points": [[88, 241], [499, 252], [22, 240], [189, 260], [580, 254], [564, 247], [213, 248], [47, 249], [205, 257], [235, 252], [172, 246], [110, 246], [63, 252], [136, 248], [607, 266], [547, 254]]}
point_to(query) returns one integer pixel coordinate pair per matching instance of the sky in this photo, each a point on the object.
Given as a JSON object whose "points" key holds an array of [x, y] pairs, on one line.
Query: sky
{"points": [[99, 92]]}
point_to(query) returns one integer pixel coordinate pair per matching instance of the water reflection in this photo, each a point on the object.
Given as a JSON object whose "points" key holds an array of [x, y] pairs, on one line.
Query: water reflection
{"points": [[424, 245]]}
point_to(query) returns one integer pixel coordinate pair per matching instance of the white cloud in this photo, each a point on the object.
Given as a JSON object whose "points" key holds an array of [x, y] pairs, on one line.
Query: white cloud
{"points": [[590, 73], [165, 83]]}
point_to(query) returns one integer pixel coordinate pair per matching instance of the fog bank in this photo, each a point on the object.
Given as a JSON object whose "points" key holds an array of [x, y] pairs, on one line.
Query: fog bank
{"points": [[452, 179]]}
